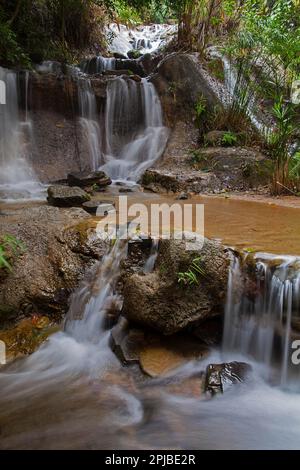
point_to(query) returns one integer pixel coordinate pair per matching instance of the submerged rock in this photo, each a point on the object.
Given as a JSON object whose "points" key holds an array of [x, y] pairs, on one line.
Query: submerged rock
{"points": [[220, 377], [157, 300], [64, 196]]}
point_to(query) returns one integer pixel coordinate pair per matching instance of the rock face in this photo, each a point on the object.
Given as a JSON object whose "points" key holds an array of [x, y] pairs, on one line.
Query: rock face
{"points": [[60, 142], [58, 251], [210, 169], [181, 82], [157, 300], [63, 196]]}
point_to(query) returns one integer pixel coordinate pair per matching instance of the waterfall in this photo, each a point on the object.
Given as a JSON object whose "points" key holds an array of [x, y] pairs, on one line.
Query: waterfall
{"points": [[135, 134], [95, 297], [89, 121], [262, 315], [17, 178], [98, 64], [150, 263], [146, 38], [235, 86]]}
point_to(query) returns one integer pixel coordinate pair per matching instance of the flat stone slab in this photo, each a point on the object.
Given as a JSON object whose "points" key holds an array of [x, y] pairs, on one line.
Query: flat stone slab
{"points": [[64, 196]]}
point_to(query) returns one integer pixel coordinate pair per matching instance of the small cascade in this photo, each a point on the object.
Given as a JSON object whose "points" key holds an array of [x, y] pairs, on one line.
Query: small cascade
{"points": [[146, 38], [150, 263], [89, 121], [135, 134], [262, 317], [98, 64], [233, 85], [95, 297], [17, 178]]}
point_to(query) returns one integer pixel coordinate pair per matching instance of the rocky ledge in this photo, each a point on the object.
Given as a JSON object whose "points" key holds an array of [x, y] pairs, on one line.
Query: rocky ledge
{"points": [[59, 247]]}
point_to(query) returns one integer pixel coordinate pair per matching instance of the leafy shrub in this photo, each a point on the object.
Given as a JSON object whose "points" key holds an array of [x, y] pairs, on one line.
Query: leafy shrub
{"points": [[229, 139]]}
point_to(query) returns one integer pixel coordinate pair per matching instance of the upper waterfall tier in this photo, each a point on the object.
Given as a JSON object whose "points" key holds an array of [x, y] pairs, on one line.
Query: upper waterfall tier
{"points": [[134, 130]]}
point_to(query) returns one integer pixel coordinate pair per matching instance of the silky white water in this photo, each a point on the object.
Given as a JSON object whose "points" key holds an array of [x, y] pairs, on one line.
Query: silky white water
{"points": [[89, 121], [17, 178], [135, 134], [73, 393], [262, 314], [145, 38]]}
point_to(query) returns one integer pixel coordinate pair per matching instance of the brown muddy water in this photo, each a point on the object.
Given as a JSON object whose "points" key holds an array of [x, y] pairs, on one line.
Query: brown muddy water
{"points": [[244, 224]]}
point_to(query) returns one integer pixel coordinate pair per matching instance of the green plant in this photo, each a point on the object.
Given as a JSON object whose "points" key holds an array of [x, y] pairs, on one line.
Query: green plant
{"points": [[294, 166], [229, 139], [10, 243], [279, 141], [200, 106], [191, 276]]}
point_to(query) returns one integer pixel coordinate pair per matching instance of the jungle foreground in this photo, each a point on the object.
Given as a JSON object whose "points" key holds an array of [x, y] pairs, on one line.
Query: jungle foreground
{"points": [[178, 326]]}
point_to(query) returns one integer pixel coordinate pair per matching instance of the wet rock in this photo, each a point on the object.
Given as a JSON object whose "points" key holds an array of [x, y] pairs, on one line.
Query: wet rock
{"points": [[158, 301], [116, 73], [125, 190], [26, 336], [210, 332], [183, 196], [64, 196], [220, 377], [117, 55], [127, 343], [98, 207], [149, 62], [98, 178], [162, 355], [134, 54], [132, 65]]}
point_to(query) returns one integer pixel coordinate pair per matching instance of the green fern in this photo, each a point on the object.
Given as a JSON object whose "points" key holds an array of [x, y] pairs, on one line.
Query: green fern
{"points": [[191, 276]]}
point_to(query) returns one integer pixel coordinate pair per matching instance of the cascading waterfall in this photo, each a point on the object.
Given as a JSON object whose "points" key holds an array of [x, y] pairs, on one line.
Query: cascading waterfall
{"points": [[135, 134], [231, 87], [89, 121], [17, 178], [98, 64], [263, 314], [146, 39]]}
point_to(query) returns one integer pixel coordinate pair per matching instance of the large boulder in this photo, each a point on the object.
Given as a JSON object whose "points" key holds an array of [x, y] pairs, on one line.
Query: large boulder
{"points": [[59, 247], [159, 301], [181, 82], [64, 196]]}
